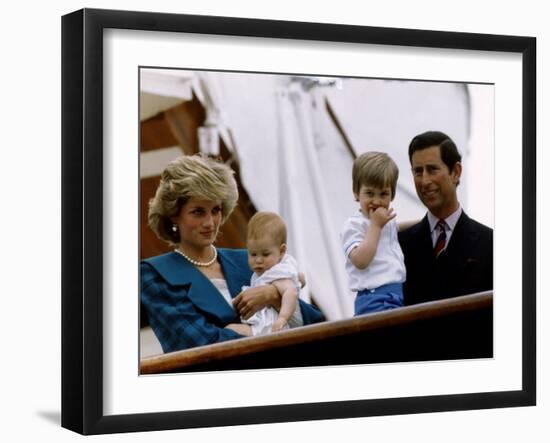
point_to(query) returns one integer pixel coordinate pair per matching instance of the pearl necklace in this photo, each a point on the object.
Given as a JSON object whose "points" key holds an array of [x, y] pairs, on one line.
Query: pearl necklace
{"points": [[199, 263]]}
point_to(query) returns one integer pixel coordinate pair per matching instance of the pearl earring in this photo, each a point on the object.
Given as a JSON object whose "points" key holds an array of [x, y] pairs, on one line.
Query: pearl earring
{"points": [[174, 228]]}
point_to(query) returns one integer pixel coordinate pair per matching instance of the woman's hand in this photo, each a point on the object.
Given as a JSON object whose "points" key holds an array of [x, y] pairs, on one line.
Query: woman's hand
{"points": [[250, 301], [240, 329]]}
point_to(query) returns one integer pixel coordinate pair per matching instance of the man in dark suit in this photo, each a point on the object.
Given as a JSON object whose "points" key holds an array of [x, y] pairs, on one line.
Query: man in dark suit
{"points": [[447, 253]]}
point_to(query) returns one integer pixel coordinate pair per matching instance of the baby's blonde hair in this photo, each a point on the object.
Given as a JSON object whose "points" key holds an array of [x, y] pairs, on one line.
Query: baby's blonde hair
{"points": [[267, 224]]}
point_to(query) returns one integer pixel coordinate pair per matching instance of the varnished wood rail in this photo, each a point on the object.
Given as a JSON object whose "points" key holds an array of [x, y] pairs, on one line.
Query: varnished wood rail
{"points": [[324, 332]]}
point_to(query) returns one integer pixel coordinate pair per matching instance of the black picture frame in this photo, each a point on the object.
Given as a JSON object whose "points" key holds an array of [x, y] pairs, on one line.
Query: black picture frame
{"points": [[82, 230]]}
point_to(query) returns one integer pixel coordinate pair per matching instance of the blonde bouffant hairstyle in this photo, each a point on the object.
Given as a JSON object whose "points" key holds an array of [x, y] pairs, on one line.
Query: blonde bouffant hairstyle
{"points": [[193, 176], [269, 224]]}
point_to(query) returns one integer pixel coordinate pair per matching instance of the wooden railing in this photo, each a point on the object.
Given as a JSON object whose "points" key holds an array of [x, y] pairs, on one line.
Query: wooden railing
{"points": [[459, 327]]}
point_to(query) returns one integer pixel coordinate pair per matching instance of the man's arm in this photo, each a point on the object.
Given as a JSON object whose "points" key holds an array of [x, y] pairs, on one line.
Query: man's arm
{"points": [[401, 226]]}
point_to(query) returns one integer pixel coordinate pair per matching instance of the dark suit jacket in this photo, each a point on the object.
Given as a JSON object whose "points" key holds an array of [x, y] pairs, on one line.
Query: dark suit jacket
{"points": [[465, 267], [185, 309]]}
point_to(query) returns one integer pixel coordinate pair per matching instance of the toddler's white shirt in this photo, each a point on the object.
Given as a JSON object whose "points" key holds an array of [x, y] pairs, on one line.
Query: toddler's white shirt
{"points": [[387, 265]]}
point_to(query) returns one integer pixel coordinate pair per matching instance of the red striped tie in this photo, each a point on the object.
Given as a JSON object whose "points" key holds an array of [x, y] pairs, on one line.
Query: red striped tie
{"points": [[440, 243]]}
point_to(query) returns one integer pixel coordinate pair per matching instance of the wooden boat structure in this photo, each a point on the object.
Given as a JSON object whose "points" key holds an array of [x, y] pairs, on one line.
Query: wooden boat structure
{"points": [[454, 328]]}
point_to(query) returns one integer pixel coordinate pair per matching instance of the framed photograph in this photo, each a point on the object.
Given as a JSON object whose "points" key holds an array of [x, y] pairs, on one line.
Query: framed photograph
{"points": [[287, 108]]}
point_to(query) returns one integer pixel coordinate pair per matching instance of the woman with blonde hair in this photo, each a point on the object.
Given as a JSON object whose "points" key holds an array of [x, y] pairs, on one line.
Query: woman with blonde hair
{"points": [[192, 296]]}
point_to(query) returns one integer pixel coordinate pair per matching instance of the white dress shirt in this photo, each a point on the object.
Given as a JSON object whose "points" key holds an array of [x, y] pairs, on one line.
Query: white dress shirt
{"points": [[450, 221]]}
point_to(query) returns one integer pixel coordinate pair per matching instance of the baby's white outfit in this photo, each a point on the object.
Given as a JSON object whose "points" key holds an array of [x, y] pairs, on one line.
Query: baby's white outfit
{"points": [[262, 321]]}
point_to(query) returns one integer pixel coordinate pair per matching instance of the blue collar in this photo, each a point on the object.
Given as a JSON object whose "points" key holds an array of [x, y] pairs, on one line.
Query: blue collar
{"points": [[177, 271]]}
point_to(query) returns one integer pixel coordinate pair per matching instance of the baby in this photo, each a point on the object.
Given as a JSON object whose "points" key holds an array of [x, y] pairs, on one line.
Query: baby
{"points": [[267, 257], [374, 260]]}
